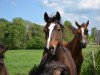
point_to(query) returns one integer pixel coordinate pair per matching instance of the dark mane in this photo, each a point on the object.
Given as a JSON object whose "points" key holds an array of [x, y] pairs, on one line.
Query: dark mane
{"points": [[36, 70], [51, 66], [3, 69], [2, 50]]}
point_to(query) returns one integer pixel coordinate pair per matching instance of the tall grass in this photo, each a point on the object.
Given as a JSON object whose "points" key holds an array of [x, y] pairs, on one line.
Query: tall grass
{"points": [[87, 66]]}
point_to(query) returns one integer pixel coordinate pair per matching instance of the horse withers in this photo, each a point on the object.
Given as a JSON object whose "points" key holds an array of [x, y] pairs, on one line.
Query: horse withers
{"points": [[79, 42], [3, 69]]}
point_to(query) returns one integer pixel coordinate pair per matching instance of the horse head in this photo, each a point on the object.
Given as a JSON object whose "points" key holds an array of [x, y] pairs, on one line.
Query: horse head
{"points": [[82, 33], [53, 31]]}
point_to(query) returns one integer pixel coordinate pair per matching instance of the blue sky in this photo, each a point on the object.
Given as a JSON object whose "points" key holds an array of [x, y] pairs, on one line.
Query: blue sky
{"points": [[33, 10]]}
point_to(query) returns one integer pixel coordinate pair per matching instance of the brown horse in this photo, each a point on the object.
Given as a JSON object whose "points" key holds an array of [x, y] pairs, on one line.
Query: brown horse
{"points": [[57, 58], [3, 69], [54, 49], [79, 41]]}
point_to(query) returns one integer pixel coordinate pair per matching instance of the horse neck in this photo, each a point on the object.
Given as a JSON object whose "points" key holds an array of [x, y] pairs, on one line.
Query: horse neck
{"points": [[61, 50], [74, 46]]}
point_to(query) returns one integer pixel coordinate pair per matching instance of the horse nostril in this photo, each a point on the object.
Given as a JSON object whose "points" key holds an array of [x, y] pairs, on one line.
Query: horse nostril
{"points": [[51, 47]]}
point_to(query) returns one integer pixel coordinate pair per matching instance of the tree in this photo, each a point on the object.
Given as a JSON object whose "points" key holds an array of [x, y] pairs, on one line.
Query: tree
{"points": [[93, 34], [20, 34], [68, 31]]}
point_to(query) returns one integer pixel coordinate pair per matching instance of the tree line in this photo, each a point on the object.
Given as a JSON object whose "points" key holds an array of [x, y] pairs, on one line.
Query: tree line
{"points": [[23, 34]]}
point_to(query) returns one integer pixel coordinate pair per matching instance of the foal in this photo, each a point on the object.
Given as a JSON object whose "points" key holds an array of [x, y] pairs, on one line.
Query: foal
{"points": [[78, 43], [57, 60], [54, 47], [3, 69]]}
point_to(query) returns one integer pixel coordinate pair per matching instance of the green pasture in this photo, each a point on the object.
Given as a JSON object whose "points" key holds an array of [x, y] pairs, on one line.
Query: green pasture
{"points": [[19, 62]]}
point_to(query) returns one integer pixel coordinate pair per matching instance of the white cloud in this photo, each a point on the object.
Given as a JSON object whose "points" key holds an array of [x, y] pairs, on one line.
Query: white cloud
{"points": [[85, 17], [49, 4], [58, 3], [89, 4], [97, 18], [79, 10]]}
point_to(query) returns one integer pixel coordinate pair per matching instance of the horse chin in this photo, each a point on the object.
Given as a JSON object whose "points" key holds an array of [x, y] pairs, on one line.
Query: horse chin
{"points": [[83, 46], [53, 51]]}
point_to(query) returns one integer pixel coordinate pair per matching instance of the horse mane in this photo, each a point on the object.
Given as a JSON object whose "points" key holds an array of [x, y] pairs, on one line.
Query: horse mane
{"points": [[48, 69], [2, 50], [36, 70], [53, 65]]}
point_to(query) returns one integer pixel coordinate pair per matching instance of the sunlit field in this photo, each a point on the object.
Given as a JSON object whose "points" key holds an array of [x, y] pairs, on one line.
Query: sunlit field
{"points": [[19, 62]]}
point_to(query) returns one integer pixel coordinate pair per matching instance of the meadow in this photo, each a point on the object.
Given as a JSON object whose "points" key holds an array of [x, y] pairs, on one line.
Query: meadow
{"points": [[20, 62]]}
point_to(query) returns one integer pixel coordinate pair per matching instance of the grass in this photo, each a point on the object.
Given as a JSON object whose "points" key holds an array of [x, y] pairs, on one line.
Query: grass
{"points": [[19, 62]]}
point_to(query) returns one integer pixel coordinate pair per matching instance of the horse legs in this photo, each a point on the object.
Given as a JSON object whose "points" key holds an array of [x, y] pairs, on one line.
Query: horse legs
{"points": [[79, 63]]}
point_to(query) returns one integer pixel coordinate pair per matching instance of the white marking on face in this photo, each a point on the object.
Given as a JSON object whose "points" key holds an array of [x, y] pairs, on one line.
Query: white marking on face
{"points": [[82, 29], [83, 37], [51, 27]]}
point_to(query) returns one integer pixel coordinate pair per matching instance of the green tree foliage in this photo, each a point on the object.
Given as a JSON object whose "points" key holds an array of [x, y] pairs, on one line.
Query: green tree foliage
{"points": [[93, 34], [68, 31], [20, 34], [37, 37]]}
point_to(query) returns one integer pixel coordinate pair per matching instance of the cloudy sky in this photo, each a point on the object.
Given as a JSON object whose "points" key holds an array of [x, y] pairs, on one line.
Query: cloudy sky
{"points": [[33, 10]]}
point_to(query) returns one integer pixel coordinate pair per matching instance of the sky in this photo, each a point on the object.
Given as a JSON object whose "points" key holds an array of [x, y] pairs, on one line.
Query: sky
{"points": [[71, 10]]}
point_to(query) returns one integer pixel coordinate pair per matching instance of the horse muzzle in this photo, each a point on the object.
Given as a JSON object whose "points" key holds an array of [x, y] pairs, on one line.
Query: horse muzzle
{"points": [[52, 50], [83, 45]]}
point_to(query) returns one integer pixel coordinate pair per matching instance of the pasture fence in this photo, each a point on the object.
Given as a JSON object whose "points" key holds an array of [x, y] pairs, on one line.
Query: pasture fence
{"points": [[93, 62]]}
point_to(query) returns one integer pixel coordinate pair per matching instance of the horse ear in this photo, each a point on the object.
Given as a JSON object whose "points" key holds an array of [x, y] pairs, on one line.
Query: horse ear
{"points": [[58, 16], [77, 24], [87, 23], [46, 17]]}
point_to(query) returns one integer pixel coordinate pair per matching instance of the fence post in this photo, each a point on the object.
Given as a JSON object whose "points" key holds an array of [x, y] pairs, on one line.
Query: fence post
{"points": [[93, 62]]}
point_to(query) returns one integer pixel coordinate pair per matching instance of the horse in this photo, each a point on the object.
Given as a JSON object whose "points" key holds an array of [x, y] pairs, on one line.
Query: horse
{"points": [[3, 69], [78, 43], [56, 53], [50, 68], [53, 46]]}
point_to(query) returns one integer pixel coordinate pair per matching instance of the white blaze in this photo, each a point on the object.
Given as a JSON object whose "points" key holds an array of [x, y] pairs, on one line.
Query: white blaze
{"points": [[82, 29], [51, 27], [83, 38]]}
